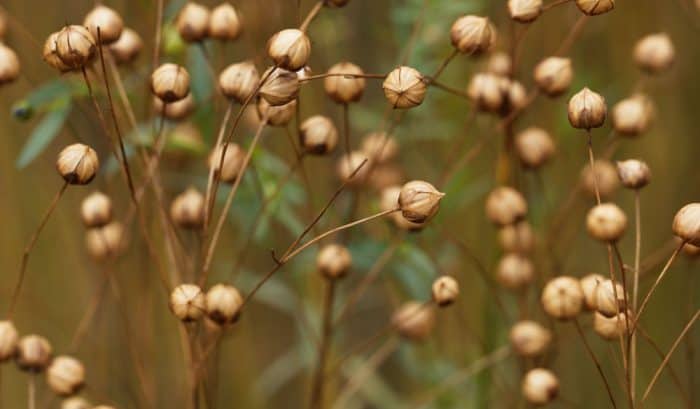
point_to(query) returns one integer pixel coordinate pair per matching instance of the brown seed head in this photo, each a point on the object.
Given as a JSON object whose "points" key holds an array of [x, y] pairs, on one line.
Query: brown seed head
{"points": [[187, 302], [75, 47], [419, 201], [524, 11], [108, 21], [505, 205], [225, 23], [127, 47], [8, 340], [106, 241], [610, 328], [534, 147], [170, 82], [224, 303], [187, 209], [33, 353], [589, 286], [654, 53], [318, 135], [472, 35], [517, 238], [342, 89], [587, 110], [193, 22], [347, 164], [610, 298], [485, 91], [239, 81], [540, 386], [76, 402], [390, 200], [289, 49], [333, 261], [633, 116], [96, 210], [529, 339], [232, 163], [176, 111], [595, 7], [515, 271], [633, 173], [445, 290], [499, 63], [414, 321], [380, 147], [281, 87], [384, 175], [404, 88], [688, 249], [606, 222], [276, 115], [604, 174], [65, 376], [50, 53], [77, 164], [686, 224], [562, 298], [553, 75], [9, 65]]}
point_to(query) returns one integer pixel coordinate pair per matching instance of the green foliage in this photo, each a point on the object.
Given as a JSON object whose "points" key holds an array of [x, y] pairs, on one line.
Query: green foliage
{"points": [[45, 132]]}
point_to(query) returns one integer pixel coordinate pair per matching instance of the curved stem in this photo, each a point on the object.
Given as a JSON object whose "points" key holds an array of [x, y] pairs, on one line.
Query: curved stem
{"points": [[595, 361], [312, 14], [316, 400], [210, 193], [635, 291]]}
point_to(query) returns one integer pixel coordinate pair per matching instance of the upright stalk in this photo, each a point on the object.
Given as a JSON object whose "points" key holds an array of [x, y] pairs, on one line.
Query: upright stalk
{"points": [[635, 291], [316, 401]]}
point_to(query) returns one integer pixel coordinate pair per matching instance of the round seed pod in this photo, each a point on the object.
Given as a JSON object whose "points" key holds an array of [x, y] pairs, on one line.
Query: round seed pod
{"points": [[108, 21], [505, 205], [65, 376], [540, 386], [529, 339], [610, 328], [604, 175], [686, 224], [515, 95], [587, 110], [485, 91], [225, 23], [239, 81], [404, 88], [318, 135], [688, 249], [341, 89], [276, 115], [8, 340], [633, 173], [187, 302], [499, 63], [96, 210], [654, 53], [534, 147], [414, 321], [75, 47], [445, 290], [187, 209], [289, 49], [472, 35], [517, 238], [562, 298], [232, 163], [606, 222], [419, 201], [175, 111], [524, 11], [77, 164], [9, 65], [515, 271], [553, 75], [610, 298], [386, 175], [595, 7], [333, 261], [633, 116], [281, 87], [380, 147], [193, 22], [127, 48], [589, 286], [106, 241], [33, 353], [170, 82], [50, 53], [347, 164], [389, 200], [223, 304], [75, 402]]}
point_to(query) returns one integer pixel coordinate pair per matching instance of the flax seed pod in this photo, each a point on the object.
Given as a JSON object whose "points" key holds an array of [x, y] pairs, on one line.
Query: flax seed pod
{"points": [[187, 209], [553, 75], [239, 81], [50, 53], [380, 147], [289, 49], [603, 175], [193, 22], [276, 115], [654, 53], [517, 238], [384, 175], [341, 89], [77, 164], [318, 135], [515, 271], [419, 201], [333, 261], [633, 116], [225, 23], [688, 249], [281, 86], [633, 173], [610, 328], [404, 88], [348, 163], [524, 11], [686, 224], [170, 82], [587, 110], [187, 302], [414, 321], [540, 386], [589, 286], [175, 111], [96, 210], [529, 339], [76, 402], [8, 340], [515, 95], [534, 147], [106, 241], [445, 290], [75, 47], [595, 7], [485, 91], [229, 171], [610, 298], [9, 65], [127, 48], [472, 35], [65, 376], [108, 21], [499, 63], [223, 304], [606, 222], [33, 353], [505, 205], [389, 200], [562, 298]]}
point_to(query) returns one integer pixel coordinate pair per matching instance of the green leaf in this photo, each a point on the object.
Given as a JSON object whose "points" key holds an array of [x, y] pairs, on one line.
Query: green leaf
{"points": [[44, 133]]}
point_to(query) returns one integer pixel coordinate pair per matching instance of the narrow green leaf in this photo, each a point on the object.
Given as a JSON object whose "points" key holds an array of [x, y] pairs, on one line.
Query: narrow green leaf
{"points": [[44, 133]]}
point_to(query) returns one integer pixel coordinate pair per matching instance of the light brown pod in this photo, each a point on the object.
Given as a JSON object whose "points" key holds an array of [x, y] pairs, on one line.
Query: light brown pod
{"points": [[347, 164], [33, 353], [75, 47], [170, 82], [610, 298], [529, 339], [175, 111], [65, 376], [127, 48], [385, 175], [524, 11], [276, 115], [77, 164], [50, 53], [233, 158], [587, 110], [380, 147], [225, 23], [108, 21], [193, 22], [389, 200], [603, 175], [515, 95], [562, 298], [239, 81], [589, 286], [414, 321], [280, 87], [333, 261], [472, 35], [540, 386], [486, 92], [8, 340], [633, 173], [187, 302], [595, 7], [610, 328], [187, 209], [686, 224], [534, 147], [344, 89], [606, 222], [445, 290], [404, 88], [688, 249], [419, 201], [505, 205], [517, 238], [76, 402], [633, 116], [553, 75], [499, 63], [654, 53], [9, 65], [289, 49], [515, 271], [318, 135], [96, 210], [223, 304], [106, 241]]}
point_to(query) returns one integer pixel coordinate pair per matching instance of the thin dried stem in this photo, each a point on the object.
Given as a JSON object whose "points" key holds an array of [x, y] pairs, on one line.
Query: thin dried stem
{"points": [[340, 74], [312, 14], [31, 392], [572, 36], [210, 192], [672, 372], [316, 400], [591, 160], [595, 361], [635, 290]]}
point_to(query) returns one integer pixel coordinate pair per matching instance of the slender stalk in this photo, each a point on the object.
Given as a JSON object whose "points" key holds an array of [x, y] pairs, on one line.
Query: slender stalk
{"points": [[595, 361], [444, 64], [572, 36], [341, 74], [210, 193], [674, 375], [591, 160], [312, 14], [316, 400], [554, 4], [31, 392], [157, 34], [635, 291], [346, 129]]}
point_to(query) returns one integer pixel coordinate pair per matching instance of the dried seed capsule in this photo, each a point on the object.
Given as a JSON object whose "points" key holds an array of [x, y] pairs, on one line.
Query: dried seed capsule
{"points": [[517, 238], [106, 241], [485, 91], [414, 321], [33, 353], [9, 65], [515, 271], [96, 210], [445, 290], [225, 23], [108, 21], [610, 328], [76, 402], [77, 164], [280, 87], [187, 302], [589, 286], [524, 11], [404, 88], [65, 376], [127, 47], [380, 147], [610, 298], [686, 224], [540, 386], [170, 82], [318, 135], [633, 173], [515, 95], [534, 147], [8, 340], [472, 35], [419, 201], [193, 22], [587, 110], [388, 201], [333, 261], [562, 298], [633, 116], [505, 205], [595, 7], [603, 175], [654, 53], [385, 175], [187, 209], [224, 303], [499, 63], [606, 222], [232, 162], [553, 75], [177, 110], [342, 89], [75, 46], [276, 115], [529, 339], [289, 49], [689, 249], [239, 81], [50, 53], [347, 164]]}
